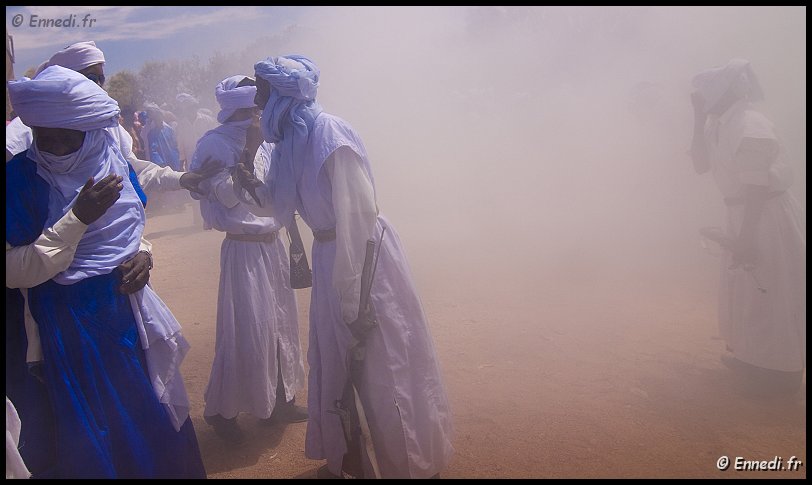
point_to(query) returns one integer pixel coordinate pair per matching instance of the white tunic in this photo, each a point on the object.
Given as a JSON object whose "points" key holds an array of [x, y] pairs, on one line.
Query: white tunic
{"points": [[257, 318], [763, 329]]}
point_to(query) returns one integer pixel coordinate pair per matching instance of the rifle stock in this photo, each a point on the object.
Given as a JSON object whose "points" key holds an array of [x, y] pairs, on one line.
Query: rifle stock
{"points": [[347, 406]]}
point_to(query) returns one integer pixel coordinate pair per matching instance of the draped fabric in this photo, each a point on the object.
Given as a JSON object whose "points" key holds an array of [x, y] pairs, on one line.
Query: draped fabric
{"points": [[287, 120], [737, 74], [78, 56], [402, 387], [231, 98], [61, 98], [105, 420], [767, 330]]}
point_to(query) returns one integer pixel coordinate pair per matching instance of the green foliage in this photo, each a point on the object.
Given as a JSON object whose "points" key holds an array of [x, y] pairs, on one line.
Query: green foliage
{"points": [[161, 81], [124, 87]]}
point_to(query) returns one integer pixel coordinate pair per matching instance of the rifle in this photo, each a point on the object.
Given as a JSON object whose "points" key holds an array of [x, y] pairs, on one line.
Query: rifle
{"points": [[349, 407]]}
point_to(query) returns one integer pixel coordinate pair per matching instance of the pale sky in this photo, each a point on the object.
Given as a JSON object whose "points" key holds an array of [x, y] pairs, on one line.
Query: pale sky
{"points": [[129, 36]]}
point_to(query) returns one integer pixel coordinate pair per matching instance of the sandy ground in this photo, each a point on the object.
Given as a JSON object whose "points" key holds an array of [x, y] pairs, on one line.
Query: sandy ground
{"points": [[547, 377]]}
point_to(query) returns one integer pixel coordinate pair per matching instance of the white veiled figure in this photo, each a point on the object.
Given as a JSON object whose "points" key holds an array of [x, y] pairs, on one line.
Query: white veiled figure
{"points": [[762, 311]]}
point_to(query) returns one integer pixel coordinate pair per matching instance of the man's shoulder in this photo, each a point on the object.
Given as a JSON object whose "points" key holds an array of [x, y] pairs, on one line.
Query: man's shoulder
{"points": [[331, 126], [21, 173], [212, 136], [326, 119], [332, 132], [19, 162]]}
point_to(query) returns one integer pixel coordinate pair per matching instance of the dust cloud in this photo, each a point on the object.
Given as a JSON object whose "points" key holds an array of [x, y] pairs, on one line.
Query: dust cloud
{"points": [[534, 161], [515, 143]]}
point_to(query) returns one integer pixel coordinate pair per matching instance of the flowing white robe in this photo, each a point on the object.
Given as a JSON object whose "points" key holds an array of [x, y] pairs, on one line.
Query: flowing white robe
{"points": [[257, 319], [763, 329]]}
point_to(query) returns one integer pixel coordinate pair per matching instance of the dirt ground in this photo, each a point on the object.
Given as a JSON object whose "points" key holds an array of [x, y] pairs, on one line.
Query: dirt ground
{"points": [[547, 377]]}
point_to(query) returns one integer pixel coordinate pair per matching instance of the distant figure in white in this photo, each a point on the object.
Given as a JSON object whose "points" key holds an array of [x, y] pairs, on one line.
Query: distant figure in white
{"points": [[762, 302]]}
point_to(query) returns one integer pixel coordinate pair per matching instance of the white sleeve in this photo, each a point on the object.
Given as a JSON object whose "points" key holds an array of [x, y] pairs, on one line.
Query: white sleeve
{"points": [[153, 177], [18, 137], [356, 215], [222, 190], [33, 264], [230, 193]]}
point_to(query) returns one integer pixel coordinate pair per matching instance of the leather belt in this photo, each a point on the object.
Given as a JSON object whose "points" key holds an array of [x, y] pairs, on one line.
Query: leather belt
{"points": [[325, 235], [267, 237]]}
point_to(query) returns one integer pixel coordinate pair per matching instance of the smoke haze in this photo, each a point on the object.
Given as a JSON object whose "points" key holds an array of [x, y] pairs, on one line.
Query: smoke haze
{"points": [[534, 161]]}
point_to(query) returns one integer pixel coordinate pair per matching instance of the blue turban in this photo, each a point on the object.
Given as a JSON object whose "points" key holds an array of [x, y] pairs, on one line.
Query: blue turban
{"points": [[62, 98], [287, 119]]}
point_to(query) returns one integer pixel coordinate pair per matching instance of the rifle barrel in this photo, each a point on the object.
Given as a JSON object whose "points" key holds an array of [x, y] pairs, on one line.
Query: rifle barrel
{"points": [[366, 277]]}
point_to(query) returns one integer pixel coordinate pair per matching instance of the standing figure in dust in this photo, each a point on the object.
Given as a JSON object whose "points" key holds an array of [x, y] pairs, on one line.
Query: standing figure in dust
{"points": [[762, 302], [399, 424]]}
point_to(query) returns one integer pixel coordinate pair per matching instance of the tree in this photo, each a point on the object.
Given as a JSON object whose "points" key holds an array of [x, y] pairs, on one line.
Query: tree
{"points": [[124, 88]]}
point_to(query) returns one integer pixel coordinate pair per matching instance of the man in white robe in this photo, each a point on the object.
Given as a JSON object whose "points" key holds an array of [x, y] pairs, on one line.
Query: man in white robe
{"points": [[258, 366], [762, 300]]}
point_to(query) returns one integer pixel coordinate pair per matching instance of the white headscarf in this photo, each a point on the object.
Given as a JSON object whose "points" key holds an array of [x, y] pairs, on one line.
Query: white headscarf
{"points": [[78, 56], [737, 74], [62, 98], [231, 98]]}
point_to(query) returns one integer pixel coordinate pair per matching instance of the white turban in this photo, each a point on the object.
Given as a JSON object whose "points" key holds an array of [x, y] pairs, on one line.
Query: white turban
{"points": [[78, 56], [62, 98], [186, 99], [712, 84], [231, 98]]}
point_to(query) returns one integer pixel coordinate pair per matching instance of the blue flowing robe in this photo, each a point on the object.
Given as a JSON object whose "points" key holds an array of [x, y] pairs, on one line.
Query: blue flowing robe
{"points": [[103, 419]]}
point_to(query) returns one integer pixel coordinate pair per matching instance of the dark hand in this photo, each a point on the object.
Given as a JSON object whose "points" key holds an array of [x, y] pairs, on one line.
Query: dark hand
{"points": [[135, 272], [247, 180], [94, 200], [245, 177], [191, 180]]}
